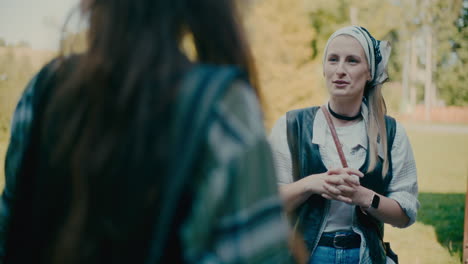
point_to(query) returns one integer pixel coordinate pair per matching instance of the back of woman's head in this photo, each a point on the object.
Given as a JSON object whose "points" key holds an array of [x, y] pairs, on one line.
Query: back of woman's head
{"points": [[142, 33], [106, 122]]}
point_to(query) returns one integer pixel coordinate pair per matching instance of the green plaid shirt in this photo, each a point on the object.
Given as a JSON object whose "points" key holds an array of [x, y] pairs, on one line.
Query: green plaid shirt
{"points": [[236, 215]]}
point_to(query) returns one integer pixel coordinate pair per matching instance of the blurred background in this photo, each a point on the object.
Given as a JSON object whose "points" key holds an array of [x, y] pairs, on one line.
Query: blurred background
{"points": [[427, 92]]}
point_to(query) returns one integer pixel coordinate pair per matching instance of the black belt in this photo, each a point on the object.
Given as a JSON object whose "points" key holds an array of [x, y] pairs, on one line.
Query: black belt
{"points": [[340, 241]]}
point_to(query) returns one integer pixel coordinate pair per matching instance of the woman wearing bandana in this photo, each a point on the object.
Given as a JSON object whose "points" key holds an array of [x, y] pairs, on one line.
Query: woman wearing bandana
{"points": [[341, 210]]}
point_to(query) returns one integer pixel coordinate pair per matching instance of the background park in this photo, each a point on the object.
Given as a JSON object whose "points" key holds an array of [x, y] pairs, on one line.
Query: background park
{"points": [[427, 92]]}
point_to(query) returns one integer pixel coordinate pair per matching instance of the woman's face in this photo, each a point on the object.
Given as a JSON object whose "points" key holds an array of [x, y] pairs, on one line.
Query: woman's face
{"points": [[346, 69]]}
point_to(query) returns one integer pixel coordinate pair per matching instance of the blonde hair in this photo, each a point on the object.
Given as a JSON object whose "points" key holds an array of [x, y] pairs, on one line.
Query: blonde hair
{"points": [[376, 128]]}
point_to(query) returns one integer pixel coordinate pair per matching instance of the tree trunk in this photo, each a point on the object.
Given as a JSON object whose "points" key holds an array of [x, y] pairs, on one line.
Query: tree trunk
{"points": [[428, 77], [413, 74], [406, 77]]}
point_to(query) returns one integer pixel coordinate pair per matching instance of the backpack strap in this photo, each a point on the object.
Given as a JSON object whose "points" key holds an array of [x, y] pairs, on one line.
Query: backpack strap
{"points": [[198, 95]]}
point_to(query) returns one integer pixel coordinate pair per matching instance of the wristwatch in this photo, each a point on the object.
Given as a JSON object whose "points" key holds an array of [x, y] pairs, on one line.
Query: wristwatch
{"points": [[373, 204], [375, 201]]}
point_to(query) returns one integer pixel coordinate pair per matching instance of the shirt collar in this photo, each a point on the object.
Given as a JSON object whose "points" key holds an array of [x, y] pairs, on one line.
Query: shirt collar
{"points": [[321, 130]]}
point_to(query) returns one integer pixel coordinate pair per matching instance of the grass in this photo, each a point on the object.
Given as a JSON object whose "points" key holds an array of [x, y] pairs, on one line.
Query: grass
{"points": [[442, 161], [418, 245], [444, 211], [437, 236]]}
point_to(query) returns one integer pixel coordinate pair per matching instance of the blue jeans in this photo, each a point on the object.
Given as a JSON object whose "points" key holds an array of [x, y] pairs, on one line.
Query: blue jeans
{"points": [[330, 255]]}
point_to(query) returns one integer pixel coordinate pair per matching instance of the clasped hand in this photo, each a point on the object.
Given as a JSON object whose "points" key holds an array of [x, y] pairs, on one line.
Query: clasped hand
{"points": [[343, 184]]}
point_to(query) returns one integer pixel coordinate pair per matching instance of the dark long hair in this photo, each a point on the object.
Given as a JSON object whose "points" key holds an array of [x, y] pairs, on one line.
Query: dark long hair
{"points": [[106, 122]]}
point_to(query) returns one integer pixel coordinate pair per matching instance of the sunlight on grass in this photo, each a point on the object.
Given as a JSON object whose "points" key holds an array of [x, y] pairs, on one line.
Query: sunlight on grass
{"points": [[442, 163], [418, 245], [441, 160]]}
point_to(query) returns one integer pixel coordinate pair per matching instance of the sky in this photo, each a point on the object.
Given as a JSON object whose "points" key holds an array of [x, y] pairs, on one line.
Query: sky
{"points": [[38, 22]]}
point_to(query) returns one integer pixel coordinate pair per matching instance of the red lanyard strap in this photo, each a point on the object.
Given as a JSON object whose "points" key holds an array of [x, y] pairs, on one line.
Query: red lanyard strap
{"points": [[335, 136]]}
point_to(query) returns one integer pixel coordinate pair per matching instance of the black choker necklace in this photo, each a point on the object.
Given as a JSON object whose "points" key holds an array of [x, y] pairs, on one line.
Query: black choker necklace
{"points": [[342, 117]]}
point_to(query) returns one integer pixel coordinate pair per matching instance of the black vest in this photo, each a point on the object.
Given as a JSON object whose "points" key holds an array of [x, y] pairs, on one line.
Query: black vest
{"points": [[306, 160]]}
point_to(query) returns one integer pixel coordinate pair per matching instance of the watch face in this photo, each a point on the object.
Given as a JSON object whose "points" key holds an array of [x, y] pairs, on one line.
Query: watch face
{"points": [[375, 201]]}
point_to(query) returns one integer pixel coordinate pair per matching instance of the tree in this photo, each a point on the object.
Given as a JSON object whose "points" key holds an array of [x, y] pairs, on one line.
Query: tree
{"points": [[280, 36], [452, 57], [381, 18], [2, 42]]}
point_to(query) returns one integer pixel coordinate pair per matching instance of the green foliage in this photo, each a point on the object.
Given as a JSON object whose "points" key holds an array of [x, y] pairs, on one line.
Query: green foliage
{"points": [[325, 19], [395, 66], [397, 22], [452, 82], [2, 42], [450, 50], [381, 18], [453, 61]]}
